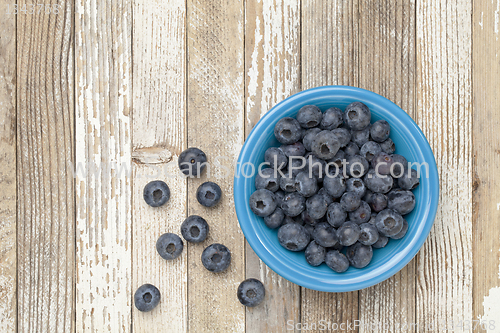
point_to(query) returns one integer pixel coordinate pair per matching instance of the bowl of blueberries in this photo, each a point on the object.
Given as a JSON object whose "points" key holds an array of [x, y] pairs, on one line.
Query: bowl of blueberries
{"points": [[336, 188]]}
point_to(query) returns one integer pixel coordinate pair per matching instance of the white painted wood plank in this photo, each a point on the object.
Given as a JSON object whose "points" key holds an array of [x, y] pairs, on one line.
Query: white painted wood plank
{"points": [[103, 138]]}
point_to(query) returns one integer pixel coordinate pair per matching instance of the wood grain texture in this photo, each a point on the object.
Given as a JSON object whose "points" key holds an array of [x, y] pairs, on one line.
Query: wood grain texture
{"points": [[387, 67], [330, 56], [486, 120], [272, 67], [444, 266], [216, 126], [45, 120], [103, 154], [159, 135], [8, 214]]}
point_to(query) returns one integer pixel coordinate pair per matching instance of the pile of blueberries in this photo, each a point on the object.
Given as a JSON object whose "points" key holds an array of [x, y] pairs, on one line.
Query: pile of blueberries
{"points": [[335, 188], [216, 258]]}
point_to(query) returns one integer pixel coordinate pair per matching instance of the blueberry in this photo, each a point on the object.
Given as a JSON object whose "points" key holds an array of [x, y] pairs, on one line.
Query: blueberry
{"points": [[305, 185], [382, 163], [373, 218], [343, 136], [329, 199], [337, 261], [357, 116], [325, 235], [409, 180], [378, 183], [293, 204], [369, 150], [315, 254], [316, 206], [194, 229], [295, 149], [287, 131], [338, 247], [251, 292], [279, 195], [276, 158], [216, 258], [401, 201], [156, 193], [359, 255], [308, 137], [146, 297], [263, 202], [336, 215], [357, 166], [325, 145], [403, 231], [378, 202], [361, 137], [268, 179], [382, 242], [380, 130], [368, 197], [388, 146], [293, 237], [350, 201], [295, 219], [399, 164], [287, 183], [369, 234], [348, 233], [192, 162], [309, 116], [336, 161], [208, 194], [351, 149], [169, 246], [307, 219], [296, 165], [332, 118], [362, 214], [275, 220], [334, 186], [315, 166], [309, 228], [356, 185], [389, 223]]}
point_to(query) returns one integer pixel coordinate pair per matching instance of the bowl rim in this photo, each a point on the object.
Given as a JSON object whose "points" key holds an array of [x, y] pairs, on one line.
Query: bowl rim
{"points": [[261, 250]]}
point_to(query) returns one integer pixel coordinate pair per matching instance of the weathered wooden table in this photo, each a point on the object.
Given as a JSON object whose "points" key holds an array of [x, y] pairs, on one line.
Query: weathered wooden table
{"points": [[116, 89]]}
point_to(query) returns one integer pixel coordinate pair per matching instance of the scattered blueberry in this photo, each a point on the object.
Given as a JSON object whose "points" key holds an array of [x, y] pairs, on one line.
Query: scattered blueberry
{"points": [[169, 246], [389, 223], [216, 258], [251, 292], [315, 254], [325, 235], [332, 118], [156, 193], [293, 204], [357, 116], [380, 130], [208, 194], [146, 297], [309, 116], [194, 229], [348, 233], [359, 255], [293, 237], [369, 234], [268, 179], [192, 162], [337, 261], [287, 131]]}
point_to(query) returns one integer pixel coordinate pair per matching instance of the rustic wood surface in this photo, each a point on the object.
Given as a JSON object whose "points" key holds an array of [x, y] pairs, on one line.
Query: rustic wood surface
{"points": [[101, 97]]}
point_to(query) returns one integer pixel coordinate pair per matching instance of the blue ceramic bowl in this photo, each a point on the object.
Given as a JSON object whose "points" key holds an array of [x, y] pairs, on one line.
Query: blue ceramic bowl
{"points": [[410, 142]]}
